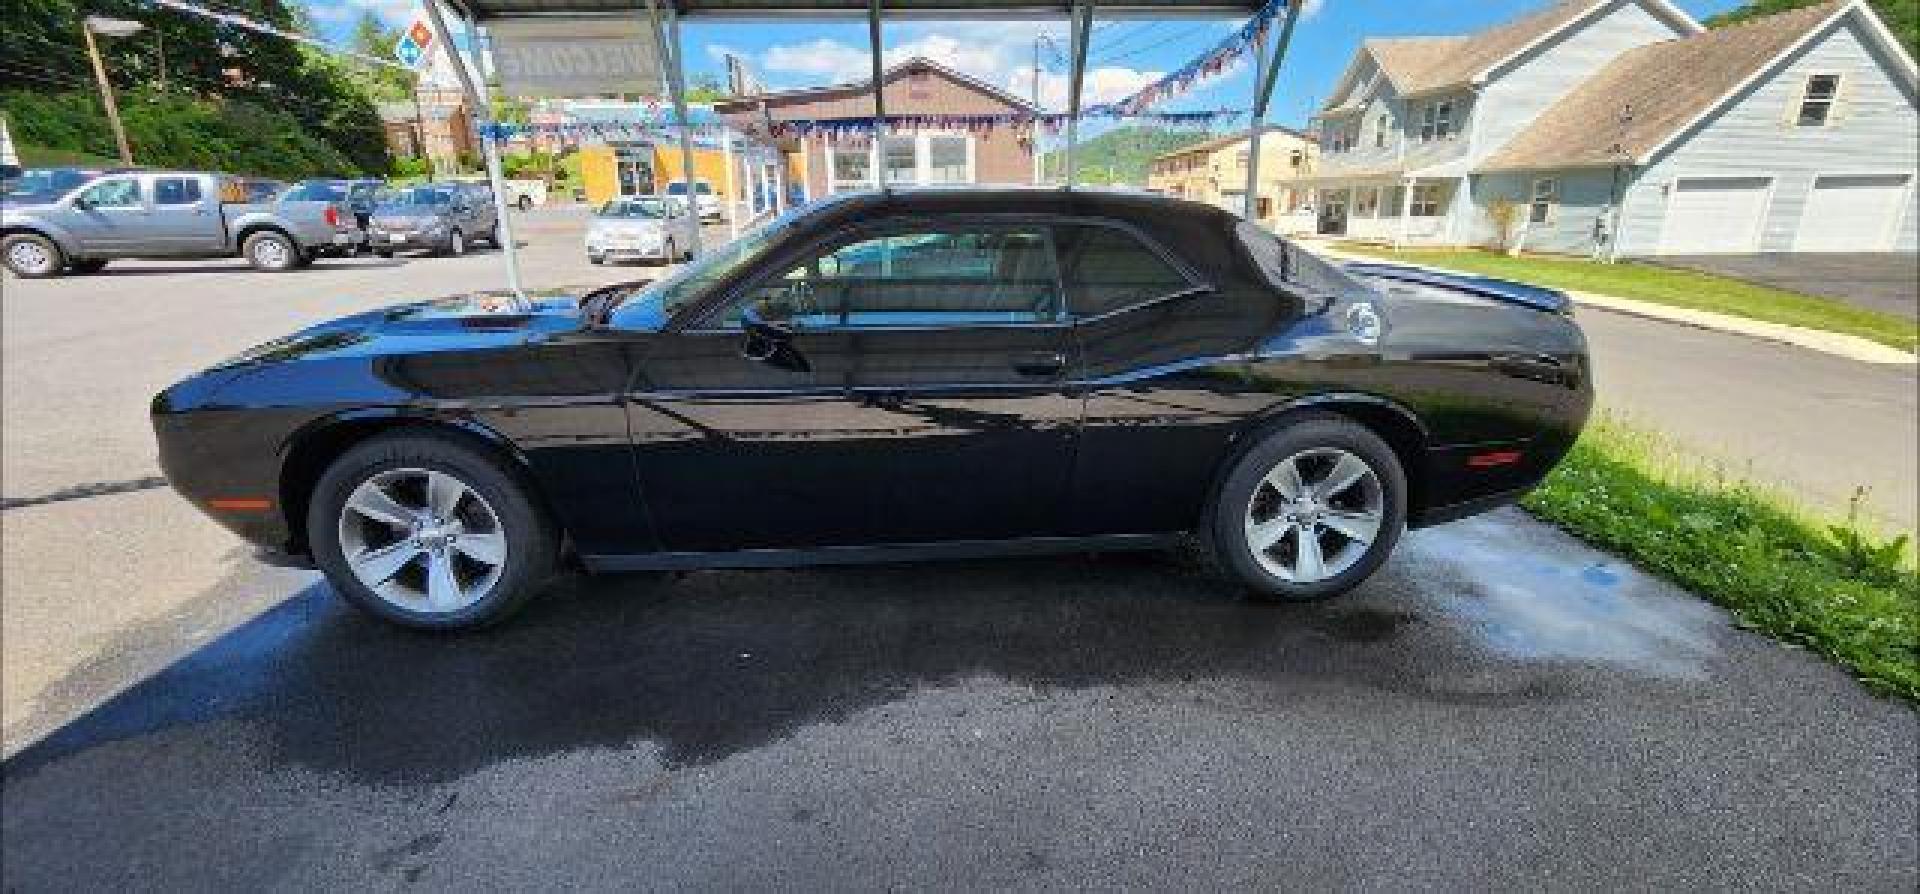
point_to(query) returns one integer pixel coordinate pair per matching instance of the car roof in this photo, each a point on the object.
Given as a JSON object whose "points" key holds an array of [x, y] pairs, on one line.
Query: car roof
{"points": [[1122, 204]]}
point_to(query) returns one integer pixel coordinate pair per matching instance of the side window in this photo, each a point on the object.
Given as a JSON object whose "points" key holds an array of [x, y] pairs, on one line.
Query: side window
{"points": [[122, 192], [1108, 269], [176, 191], [962, 276]]}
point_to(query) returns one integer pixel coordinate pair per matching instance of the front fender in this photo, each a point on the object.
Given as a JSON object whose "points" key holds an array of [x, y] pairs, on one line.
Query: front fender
{"points": [[61, 236]]}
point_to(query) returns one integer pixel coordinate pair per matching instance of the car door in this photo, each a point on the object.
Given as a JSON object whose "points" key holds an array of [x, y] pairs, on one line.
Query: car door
{"points": [[895, 385], [185, 218], [110, 216]]}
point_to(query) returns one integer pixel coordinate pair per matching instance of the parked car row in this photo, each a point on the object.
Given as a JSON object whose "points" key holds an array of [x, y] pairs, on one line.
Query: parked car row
{"points": [[77, 220]]}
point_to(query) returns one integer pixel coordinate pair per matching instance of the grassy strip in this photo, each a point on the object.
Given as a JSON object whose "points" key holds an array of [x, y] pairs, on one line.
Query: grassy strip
{"points": [[1831, 587], [1675, 288]]}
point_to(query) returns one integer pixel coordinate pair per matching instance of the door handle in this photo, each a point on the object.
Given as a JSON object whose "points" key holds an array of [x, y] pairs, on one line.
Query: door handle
{"points": [[1045, 364]]}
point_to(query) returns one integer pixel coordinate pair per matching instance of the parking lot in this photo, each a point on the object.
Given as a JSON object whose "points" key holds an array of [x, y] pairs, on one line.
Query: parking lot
{"points": [[1501, 706]]}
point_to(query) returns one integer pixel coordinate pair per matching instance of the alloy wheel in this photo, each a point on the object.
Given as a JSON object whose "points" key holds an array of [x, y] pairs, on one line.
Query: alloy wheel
{"points": [[272, 253], [29, 257], [422, 540], [1314, 515]]}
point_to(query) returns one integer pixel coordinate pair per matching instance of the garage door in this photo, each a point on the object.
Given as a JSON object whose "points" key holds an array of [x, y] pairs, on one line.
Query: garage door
{"points": [[1852, 213], [1715, 215]]}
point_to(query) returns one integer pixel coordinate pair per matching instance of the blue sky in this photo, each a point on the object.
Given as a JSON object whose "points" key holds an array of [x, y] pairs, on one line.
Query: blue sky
{"points": [[1124, 55]]}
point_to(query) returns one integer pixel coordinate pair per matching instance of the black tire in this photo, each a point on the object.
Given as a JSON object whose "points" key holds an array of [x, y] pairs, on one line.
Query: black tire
{"points": [[525, 203], [271, 251], [87, 266], [32, 256], [456, 244], [383, 253], [1223, 541], [493, 236], [596, 259], [670, 254], [532, 542]]}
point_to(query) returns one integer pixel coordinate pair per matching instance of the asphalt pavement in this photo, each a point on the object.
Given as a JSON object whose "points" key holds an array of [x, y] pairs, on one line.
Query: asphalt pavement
{"points": [[1884, 281], [1501, 706]]}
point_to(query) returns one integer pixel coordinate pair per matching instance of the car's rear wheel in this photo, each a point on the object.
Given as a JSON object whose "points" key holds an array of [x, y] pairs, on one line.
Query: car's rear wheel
{"points": [[456, 243], [1309, 511], [32, 256], [426, 531], [271, 251], [670, 254], [88, 265], [525, 203]]}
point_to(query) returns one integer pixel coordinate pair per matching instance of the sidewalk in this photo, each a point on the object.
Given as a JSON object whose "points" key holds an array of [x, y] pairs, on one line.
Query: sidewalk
{"points": [[1851, 347]]}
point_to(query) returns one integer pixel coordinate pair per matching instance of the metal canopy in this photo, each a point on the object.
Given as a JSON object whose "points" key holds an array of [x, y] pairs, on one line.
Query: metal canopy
{"points": [[663, 16], [858, 9]]}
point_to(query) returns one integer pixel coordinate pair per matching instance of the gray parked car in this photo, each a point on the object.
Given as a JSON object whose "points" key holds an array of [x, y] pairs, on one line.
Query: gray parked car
{"points": [[167, 214], [441, 217]]}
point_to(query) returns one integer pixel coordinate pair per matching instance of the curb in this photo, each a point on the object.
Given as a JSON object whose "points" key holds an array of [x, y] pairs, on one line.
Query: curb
{"points": [[1851, 347]]}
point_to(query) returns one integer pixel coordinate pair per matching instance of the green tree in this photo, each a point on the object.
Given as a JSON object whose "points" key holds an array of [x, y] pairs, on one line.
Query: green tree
{"points": [[1120, 156], [707, 88], [1902, 16], [371, 37]]}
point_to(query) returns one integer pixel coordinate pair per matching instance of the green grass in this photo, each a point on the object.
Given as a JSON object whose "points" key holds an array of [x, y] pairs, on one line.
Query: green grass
{"points": [[1675, 288], [40, 157], [1825, 584]]}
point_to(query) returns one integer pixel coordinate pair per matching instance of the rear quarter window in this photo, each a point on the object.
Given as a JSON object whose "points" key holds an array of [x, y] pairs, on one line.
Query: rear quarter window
{"points": [[1107, 269]]}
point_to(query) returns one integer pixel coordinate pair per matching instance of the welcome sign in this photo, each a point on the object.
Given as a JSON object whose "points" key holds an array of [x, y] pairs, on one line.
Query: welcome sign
{"points": [[575, 57]]}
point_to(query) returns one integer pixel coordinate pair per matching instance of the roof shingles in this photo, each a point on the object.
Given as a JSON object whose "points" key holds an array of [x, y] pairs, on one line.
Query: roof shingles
{"points": [[1634, 104], [1424, 64]]}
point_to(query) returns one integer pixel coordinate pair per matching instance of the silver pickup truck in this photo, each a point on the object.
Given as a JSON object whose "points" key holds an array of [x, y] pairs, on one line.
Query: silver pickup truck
{"points": [[168, 214]]}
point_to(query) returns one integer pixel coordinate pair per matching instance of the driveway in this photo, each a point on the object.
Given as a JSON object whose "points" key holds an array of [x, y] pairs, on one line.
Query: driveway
{"points": [[1889, 283], [1501, 708]]}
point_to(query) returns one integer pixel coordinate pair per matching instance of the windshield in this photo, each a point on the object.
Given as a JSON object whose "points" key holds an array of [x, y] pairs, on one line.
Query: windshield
{"points": [[680, 188], [650, 307], [419, 195], [633, 209]]}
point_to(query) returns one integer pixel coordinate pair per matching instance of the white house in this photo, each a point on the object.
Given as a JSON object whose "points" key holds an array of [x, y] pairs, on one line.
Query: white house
{"points": [[1621, 127]]}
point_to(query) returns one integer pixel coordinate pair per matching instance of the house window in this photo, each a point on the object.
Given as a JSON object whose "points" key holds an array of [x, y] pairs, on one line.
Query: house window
{"points": [[1436, 121], [1242, 157], [1367, 202], [1429, 200], [902, 162], [1296, 157], [947, 160], [851, 166], [1380, 132], [1816, 101], [1546, 194]]}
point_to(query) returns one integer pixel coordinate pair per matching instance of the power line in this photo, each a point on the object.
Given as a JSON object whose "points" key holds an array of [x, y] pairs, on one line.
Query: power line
{"points": [[1155, 45], [240, 21]]}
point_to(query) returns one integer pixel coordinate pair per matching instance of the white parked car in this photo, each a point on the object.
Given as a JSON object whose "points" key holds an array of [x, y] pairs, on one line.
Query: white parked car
{"points": [[522, 195], [704, 198], [641, 228]]}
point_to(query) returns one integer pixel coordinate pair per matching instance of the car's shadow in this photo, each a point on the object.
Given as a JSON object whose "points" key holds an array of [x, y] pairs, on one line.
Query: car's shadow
{"points": [[242, 267], [709, 664]]}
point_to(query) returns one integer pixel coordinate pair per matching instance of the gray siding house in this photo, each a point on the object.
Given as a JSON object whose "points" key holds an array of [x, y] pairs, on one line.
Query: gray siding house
{"points": [[1621, 127]]}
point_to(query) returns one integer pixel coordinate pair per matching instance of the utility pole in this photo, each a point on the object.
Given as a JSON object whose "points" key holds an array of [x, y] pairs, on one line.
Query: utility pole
{"points": [[112, 28]]}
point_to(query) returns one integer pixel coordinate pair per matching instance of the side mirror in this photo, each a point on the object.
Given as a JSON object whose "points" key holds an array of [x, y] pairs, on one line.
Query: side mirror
{"points": [[82, 203], [770, 342]]}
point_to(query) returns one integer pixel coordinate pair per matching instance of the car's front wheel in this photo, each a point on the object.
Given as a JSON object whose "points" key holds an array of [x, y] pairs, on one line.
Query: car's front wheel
{"points": [[1309, 511], [32, 256], [426, 531]]}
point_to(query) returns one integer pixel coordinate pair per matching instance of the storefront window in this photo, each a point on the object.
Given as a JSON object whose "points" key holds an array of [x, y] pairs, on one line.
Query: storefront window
{"points": [[947, 160], [902, 161]]}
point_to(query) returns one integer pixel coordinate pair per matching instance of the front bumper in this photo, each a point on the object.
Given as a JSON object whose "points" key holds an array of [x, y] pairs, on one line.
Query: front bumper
{"points": [[406, 240], [619, 251]]}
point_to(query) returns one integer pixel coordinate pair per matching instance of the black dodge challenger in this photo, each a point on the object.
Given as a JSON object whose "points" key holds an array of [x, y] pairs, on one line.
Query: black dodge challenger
{"points": [[884, 377]]}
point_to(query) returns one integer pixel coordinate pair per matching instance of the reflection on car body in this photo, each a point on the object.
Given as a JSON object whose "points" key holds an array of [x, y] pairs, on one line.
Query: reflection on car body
{"points": [[907, 375]]}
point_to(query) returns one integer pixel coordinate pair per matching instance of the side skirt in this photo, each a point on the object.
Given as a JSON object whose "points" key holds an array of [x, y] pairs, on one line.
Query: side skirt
{"points": [[865, 555]]}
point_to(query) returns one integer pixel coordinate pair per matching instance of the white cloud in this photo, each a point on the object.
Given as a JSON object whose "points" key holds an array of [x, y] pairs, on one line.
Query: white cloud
{"points": [[1104, 84]]}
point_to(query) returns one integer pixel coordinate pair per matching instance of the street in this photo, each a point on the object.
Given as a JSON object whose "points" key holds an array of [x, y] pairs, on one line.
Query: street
{"points": [[1501, 706]]}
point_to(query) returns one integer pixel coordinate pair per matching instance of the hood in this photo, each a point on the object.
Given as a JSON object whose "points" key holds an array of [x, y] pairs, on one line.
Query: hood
{"points": [[638, 225], [459, 322]]}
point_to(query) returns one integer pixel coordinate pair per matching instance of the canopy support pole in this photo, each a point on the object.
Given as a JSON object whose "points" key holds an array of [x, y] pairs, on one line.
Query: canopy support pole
{"points": [[1079, 26], [879, 98], [666, 39], [1269, 71], [483, 113]]}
